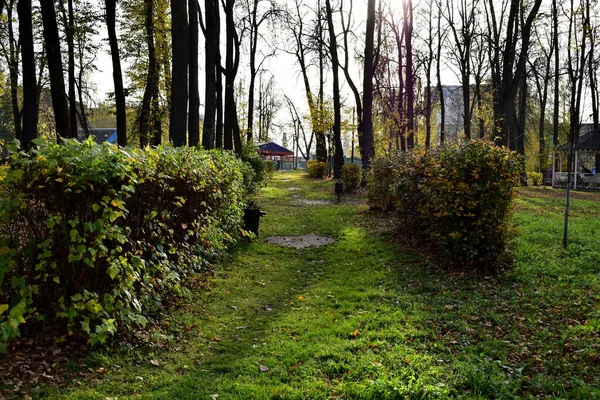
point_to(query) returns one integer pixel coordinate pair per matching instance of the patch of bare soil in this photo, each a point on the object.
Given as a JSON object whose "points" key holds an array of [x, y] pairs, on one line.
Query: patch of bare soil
{"points": [[312, 202], [300, 242]]}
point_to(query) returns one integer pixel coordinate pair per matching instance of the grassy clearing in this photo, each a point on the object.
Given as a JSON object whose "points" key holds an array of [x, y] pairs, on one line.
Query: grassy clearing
{"points": [[364, 319]]}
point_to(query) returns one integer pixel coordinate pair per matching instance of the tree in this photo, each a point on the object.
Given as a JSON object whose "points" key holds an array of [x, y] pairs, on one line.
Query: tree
{"points": [[346, 31], [231, 128], [257, 16], [194, 113], [57, 82], [337, 134], [111, 10], [367, 139], [10, 50], [179, 86], [30, 109], [148, 109], [299, 48], [508, 68], [463, 32], [212, 70]]}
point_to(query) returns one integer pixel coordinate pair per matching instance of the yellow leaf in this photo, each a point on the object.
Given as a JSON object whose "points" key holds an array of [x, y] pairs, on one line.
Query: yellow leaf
{"points": [[56, 279], [301, 298]]}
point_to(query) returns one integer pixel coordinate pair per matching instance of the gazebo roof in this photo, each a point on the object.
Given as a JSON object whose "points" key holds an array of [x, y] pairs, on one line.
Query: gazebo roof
{"points": [[588, 142], [273, 149]]}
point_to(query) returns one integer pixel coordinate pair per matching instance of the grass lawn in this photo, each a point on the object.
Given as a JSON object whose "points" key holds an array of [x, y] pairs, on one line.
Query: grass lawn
{"points": [[365, 319]]}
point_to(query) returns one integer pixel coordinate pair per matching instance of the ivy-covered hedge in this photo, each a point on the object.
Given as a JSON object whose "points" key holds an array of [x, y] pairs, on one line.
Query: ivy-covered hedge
{"points": [[456, 198], [99, 237]]}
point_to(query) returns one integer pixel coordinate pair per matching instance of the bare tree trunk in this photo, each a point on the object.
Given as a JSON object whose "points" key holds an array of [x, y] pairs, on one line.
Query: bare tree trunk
{"points": [[70, 32], [338, 161], [555, 113], [117, 72], [438, 69], [194, 112], [57, 81], [179, 86], [230, 124], [410, 92], [212, 69], [13, 68], [357, 99], [30, 109], [367, 149], [146, 116]]}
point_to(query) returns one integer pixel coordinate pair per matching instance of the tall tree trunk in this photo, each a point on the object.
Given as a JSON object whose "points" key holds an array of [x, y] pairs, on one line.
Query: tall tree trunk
{"points": [[438, 73], [231, 129], [57, 81], [253, 72], [70, 33], [556, 108], [179, 78], [410, 92], [321, 142], [212, 69], [357, 99], [368, 150], [13, 70], [338, 160], [30, 109], [146, 116], [111, 8], [194, 113]]}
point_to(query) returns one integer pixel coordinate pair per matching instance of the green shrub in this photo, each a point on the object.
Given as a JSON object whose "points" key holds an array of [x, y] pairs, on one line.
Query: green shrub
{"points": [[535, 178], [100, 236], [351, 176], [258, 170], [379, 183], [458, 199], [316, 169]]}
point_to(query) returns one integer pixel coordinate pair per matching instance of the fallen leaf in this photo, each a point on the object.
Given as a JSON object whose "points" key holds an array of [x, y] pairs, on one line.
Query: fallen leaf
{"points": [[155, 363], [301, 298], [216, 339], [259, 283], [263, 368]]}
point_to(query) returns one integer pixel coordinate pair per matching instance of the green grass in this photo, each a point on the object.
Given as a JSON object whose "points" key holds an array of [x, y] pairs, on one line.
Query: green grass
{"points": [[364, 318]]}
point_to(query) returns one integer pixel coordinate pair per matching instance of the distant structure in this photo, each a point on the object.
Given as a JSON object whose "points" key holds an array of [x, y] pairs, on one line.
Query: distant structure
{"points": [[101, 135]]}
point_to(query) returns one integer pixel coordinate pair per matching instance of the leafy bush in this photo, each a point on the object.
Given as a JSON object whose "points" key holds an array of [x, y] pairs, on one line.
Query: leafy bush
{"points": [[258, 170], [379, 183], [351, 176], [100, 236], [535, 178], [458, 198], [316, 169]]}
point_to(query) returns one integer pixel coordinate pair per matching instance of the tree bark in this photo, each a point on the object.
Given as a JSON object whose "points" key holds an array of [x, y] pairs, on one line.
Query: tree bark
{"points": [[57, 82], [70, 32], [194, 113], [179, 78], [212, 69], [231, 129], [367, 150], [338, 160], [146, 115], [111, 11], [30, 109]]}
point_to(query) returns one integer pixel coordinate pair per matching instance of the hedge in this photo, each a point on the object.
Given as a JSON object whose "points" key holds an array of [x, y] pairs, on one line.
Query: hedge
{"points": [[316, 169], [457, 199], [351, 176], [100, 237]]}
